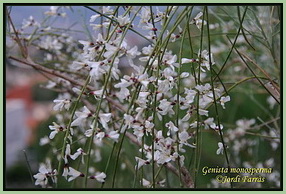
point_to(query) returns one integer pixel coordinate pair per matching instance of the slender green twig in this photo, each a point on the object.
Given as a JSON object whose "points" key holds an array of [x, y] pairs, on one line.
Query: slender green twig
{"points": [[154, 109], [232, 47], [242, 29], [29, 167], [108, 161], [69, 125], [197, 151], [178, 97], [214, 98], [261, 83]]}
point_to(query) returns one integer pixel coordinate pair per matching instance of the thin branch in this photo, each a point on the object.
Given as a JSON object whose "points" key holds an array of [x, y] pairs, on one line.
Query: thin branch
{"points": [[24, 50], [30, 63], [262, 70]]}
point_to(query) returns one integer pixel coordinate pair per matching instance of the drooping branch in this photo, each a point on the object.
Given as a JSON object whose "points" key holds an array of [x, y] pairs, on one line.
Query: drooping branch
{"points": [[38, 67]]}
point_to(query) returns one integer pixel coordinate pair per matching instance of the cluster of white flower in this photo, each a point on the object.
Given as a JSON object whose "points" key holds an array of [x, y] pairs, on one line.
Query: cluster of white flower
{"points": [[162, 100], [153, 83], [45, 172]]}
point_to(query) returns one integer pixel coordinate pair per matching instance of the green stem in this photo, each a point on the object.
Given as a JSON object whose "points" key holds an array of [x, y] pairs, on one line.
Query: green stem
{"points": [[69, 125], [198, 105], [29, 167], [214, 98], [232, 47], [178, 98]]}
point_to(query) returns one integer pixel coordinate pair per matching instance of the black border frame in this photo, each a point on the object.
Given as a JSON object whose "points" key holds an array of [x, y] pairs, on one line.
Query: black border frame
{"points": [[138, 4]]}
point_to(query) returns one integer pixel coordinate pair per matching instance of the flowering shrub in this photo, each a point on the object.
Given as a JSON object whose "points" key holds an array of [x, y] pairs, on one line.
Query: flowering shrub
{"points": [[147, 107]]}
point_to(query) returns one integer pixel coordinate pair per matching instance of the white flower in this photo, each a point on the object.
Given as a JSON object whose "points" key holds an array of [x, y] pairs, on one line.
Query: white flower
{"points": [[107, 10], [53, 10], [81, 116], [165, 107], [86, 45], [149, 26], [62, 102], [244, 123], [171, 127], [271, 101], [67, 153], [143, 79], [224, 100], [141, 162], [146, 183], [190, 96], [160, 15], [94, 17], [128, 120], [173, 37], [51, 43], [204, 55], [41, 177], [145, 15], [162, 183], [55, 129], [74, 174], [184, 75], [100, 136], [184, 137], [170, 60], [169, 74], [76, 65], [162, 157], [104, 119], [30, 22], [199, 22], [65, 172], [123, 94], [203, 88], [194, 124], [142, 99], [186, 117], [45, 171], [114, 135], [220, 148], [138, 131], [216, 127], [203, 112], [97, 93], [149, 126], [43, 141], [133, 52], [88, 133], [123, 20], [79, 152], [205, 100], [110, 50], [100, 177], [123, 84], [147, 50], [209, 122], [96, 71]]}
